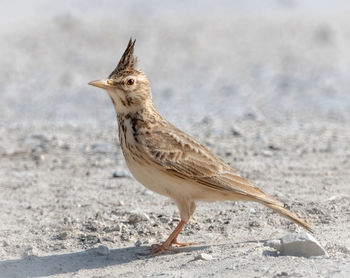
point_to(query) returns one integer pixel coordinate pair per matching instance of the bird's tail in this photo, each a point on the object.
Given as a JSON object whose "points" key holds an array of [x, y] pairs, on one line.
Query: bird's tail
{"points": [[241, 189], [288, 214]]}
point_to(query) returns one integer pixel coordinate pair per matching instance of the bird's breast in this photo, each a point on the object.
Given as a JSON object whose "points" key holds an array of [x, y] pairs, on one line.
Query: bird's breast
{"points": [[149, 176]]}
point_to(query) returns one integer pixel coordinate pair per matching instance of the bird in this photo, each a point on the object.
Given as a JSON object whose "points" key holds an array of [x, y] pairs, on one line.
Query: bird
{"points": [[168, 161]]}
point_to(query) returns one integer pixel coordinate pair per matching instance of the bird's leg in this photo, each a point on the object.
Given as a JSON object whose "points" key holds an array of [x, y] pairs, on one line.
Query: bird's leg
{"points": [[186, 208], [165, 246], [190, 208]]}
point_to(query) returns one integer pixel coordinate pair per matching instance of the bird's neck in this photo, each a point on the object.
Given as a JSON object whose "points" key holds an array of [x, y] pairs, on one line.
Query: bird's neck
{"points": [[134, 124], [146, 114]]}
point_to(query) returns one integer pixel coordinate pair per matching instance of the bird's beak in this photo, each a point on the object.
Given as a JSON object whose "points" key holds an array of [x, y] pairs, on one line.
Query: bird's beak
{"points": [[103, 83]]}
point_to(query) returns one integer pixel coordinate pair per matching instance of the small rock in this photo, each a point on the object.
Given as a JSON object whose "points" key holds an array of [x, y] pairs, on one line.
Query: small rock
{"points": [[121, 173], [147, 193], [266, 153], [164, 219], [120, 203], [235, 132], [92, 226], [299, 245], [102, 250], [204, 257], [38, 157], [30, 252], [125, 236], [62, 236], [282, 274], [118, 227], [138, 217], [67, 220], [252, 210], [138, 243], [254, 224], [273, 147]]}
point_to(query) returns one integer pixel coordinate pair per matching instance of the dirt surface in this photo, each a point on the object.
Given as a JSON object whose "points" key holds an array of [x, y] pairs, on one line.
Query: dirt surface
{"points": [[265, 90]]}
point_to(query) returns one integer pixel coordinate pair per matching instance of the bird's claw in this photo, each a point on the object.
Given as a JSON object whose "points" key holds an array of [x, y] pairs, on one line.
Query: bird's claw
{"points": [[182, 244], [156, 249]]}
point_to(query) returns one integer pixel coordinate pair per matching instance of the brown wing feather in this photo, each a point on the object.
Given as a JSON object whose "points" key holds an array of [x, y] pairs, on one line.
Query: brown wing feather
{"points": [[181, 155]]}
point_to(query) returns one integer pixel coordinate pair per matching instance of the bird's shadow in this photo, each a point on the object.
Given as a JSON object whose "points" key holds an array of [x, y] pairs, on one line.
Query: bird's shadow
{"points": [[36, 266]]}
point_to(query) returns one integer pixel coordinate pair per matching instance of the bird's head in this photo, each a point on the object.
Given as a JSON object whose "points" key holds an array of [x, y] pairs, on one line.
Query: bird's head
{"points": [[128, 87]]}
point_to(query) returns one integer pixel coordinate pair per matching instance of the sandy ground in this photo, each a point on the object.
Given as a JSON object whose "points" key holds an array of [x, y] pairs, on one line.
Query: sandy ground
{"points": [[265, 89]]}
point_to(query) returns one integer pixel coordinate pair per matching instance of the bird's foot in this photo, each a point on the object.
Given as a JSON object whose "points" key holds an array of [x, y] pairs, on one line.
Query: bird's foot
{"points": [[157, 249]]}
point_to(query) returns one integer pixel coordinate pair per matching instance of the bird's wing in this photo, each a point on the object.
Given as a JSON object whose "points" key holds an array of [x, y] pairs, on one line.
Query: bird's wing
{"points": [[178, 154]]}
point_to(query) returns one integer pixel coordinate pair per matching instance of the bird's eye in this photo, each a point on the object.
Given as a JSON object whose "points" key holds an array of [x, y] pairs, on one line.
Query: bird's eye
{"points": [[130, 82]]}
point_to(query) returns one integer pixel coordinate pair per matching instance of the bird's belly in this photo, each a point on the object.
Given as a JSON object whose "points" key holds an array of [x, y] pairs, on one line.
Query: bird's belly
{"points": [[167, 185], [150, 177]]}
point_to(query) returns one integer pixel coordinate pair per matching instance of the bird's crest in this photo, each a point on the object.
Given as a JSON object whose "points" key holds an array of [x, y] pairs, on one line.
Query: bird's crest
{"points": [[127, 61]]}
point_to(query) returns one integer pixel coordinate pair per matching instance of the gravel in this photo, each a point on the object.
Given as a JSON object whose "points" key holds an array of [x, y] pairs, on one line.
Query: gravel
{"points": [[265, 86]]}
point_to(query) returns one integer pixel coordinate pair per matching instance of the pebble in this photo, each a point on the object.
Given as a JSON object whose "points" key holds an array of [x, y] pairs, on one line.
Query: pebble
{"points": [[254, 224], [235, 132], [65, 146], [266, 153], [299, 245], [138, 217], [102, 250], [281, 274], [30, 252], [147, 193], [118, 227], [138, 243], [62, 236], [204, 257], [121, 173], [67, 220], [125, 236]]}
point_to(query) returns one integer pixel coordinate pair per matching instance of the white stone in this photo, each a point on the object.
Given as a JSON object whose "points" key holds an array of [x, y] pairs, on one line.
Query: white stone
{"points": [[204, 257], [121, 173], [252, 210], [118, 227], [300, 245], [30, 252], [138, 217]]}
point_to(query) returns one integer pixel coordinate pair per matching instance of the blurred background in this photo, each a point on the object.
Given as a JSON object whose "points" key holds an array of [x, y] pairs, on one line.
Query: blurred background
{"points": [[284, 61]]}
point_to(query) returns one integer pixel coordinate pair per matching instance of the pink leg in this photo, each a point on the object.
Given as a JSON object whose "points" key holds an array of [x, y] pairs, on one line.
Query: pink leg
{"points": [[165, 246]]}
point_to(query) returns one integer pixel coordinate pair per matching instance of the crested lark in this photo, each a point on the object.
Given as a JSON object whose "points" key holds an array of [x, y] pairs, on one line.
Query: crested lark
{"points": [[167, 160]]}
